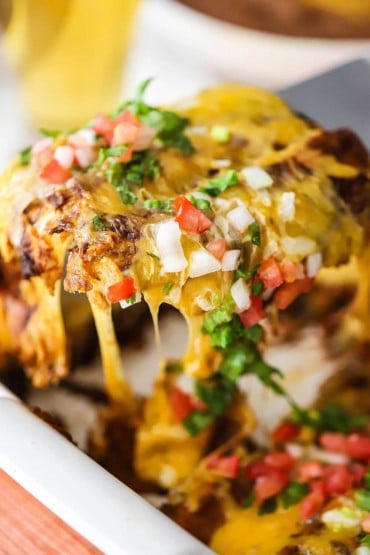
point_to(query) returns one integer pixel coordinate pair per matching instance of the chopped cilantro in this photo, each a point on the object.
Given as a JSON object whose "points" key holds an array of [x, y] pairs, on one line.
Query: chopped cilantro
{"points": [[157, 204], [25, 156], [109, 152], [257, 288], [98, 223], [255, 232], [293, 493], [367, 480], [268, 506], [131, 300], [238, 360], [200, 203], [115, 174], [362, 498], [220, 134], [220, 315], [167, 287], [216, 393], [249, 501], [247, 273], [365, 539], [197, 421], [218, 185], [50, 133], [254, 333], [152, 255], [332, 417]]}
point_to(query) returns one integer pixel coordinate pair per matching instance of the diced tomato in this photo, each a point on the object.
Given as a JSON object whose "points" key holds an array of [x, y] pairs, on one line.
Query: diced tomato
{"points": [[338, 479], [289, 271], [358, 471], [189, 217], [365, 523], [270, 485], [144, 137], [320, 487], [122, 290], [310, 470], [181, 403], [336, 443], [270, 273], [311, 504], [217, 248], [280, 460], [358, 447], [290, 291], [103, 125], [124, 133], [253, 314], [286, 431], [55, 173], [227, 465], [127, 117], [256, 469], [126, 155]]}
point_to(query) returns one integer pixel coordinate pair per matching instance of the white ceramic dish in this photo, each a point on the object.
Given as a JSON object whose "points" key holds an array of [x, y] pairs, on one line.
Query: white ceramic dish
{"points": [[84, 495]]}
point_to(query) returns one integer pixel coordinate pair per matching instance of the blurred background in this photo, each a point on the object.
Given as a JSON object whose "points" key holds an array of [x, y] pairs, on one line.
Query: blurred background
{"points": [[61, 61]]}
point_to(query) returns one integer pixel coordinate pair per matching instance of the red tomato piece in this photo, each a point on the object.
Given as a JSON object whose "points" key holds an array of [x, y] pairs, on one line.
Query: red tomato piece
{"points": [[358, 447], [320, 487], [55, 173], [189, 217], [217, 248], [122, 290], [280, 460], [270, 485], [181, 403], [365, 523], [358, 471], [127, 117], [227, 465], [290, 291], [103, 125], [334, 442], [270, 273], [311, 504], [253, 314], [310, 470], [286, 431], [338, 479], [124, 133], [289, 271], [256, 469], [126, 155]]}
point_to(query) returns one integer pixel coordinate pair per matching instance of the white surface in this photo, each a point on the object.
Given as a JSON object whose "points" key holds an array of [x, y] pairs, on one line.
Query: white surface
{"points": [[110, 515]]}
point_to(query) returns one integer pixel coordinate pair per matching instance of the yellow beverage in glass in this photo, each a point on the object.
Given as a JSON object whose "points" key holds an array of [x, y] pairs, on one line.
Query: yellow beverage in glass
{"points": [[70, 55]]}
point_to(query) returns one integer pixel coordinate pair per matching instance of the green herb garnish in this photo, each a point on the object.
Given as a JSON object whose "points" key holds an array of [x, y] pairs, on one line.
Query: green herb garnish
{"points": [[362, 498], [174, 367], [249, 501], [131, 300], [200, 203], [293, 493], [50, 133], [255, 233], [157, 204], [257, 288], [332, 417], [247, 273], [268, 506], [216, 392], [167, 287], [25, 156], [365, 539], [214, 187], [197, 421], [98, 223]]}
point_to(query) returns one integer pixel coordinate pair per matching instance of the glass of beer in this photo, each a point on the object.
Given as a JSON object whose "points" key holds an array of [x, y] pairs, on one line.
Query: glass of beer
{"points": [[69, 55]]}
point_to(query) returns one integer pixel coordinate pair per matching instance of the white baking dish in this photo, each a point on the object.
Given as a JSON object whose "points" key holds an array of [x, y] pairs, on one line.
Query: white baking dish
{"points": [[83, 494]]}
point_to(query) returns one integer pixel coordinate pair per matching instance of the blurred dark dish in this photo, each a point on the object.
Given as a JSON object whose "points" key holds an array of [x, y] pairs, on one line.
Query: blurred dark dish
{"points": [[333, 19]]}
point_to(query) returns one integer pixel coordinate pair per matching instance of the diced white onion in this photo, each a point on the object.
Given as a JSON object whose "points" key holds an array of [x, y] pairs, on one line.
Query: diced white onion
{"points": [[168, 476], [324, 456], [313, 264], [265, 197], [85, 156], [256, 177], [240, 293], [302, 246], [294, 449], [205, 304], [199, 194], [267, 293], [42, 144], [203, 262], [64, 155], [362, 550], [240, 218], [82, 138], [221, 203], [287, 206], [185, 383], [270, 249], [125, 304], [230, 260], [168, 241], [337, 518]]}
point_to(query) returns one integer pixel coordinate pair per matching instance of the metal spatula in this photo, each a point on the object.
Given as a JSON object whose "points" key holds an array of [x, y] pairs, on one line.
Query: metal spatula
{"points": [[337, 98]]}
